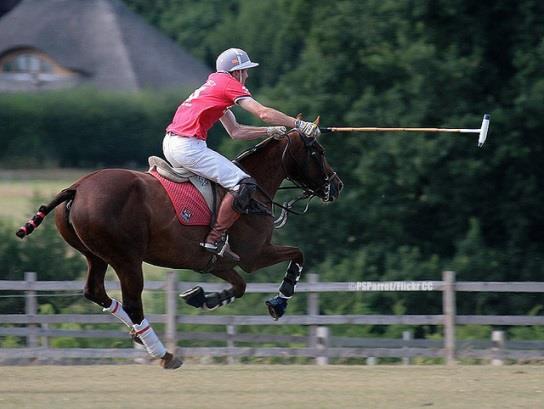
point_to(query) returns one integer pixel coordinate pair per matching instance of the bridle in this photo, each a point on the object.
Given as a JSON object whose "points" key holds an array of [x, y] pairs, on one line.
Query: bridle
{"points": [[315, 152], [323, 191]]}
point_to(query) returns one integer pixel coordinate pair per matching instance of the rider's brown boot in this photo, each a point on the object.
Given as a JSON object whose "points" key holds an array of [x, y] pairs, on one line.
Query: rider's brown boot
{"points": [[217, 241]]}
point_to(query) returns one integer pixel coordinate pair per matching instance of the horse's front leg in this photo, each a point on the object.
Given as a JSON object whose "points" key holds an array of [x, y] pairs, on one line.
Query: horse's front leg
{"points": [[275, 254], [196, 296]]}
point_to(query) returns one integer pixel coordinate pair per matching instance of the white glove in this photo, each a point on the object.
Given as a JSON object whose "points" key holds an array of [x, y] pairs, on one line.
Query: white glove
{"points": [[276, 131], [308, 128]]}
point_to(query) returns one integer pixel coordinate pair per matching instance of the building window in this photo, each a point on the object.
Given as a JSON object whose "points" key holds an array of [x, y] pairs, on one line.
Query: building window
{"points": [[30, 68], [31, 61], [27, 63]]}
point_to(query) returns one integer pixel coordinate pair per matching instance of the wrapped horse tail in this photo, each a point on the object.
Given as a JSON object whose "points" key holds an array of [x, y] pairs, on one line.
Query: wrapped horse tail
{"points": [[44, 210]]}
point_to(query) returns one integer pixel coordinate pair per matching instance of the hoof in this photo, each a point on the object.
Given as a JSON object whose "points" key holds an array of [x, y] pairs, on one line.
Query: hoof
{"points": [[169, 361], [276, 307]]}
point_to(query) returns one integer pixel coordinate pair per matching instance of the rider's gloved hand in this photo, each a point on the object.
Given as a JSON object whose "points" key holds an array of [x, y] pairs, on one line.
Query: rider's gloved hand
{"points": [[276, 131], [308, 128]]}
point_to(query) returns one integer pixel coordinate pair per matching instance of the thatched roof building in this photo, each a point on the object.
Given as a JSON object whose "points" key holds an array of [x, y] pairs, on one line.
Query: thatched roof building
{"points": [[47, 44]]}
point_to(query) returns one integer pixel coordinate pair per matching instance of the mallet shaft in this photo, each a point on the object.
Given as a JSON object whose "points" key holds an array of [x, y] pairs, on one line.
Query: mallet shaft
{"points": [[374, 129], [482, 131]]}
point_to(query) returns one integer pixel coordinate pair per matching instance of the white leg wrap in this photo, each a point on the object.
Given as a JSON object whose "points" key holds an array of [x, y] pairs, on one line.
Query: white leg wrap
{"points": [[151, 341], [116, 308]]}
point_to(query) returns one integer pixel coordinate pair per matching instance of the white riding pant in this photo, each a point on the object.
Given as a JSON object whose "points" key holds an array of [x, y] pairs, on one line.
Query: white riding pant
{"points": [[193, 154]]}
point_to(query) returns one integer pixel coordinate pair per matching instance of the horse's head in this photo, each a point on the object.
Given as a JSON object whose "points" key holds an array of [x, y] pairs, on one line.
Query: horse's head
{"points": [[305, 165]]}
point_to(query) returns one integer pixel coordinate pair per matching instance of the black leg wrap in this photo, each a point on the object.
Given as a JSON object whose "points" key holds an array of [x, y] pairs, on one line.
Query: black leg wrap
{"points": [[194, 297], [216, 300], [287, 287]]}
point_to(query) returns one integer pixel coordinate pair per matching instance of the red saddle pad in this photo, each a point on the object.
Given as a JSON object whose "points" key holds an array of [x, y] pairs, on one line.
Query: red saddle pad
{"points": [[188, 202]]}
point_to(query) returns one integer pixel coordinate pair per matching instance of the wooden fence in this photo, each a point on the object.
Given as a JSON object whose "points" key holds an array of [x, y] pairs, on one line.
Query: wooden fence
{"points": [[318, 344]]}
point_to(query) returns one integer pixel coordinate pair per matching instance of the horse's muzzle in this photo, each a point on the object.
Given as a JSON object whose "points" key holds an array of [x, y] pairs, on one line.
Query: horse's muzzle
{"points": [[331, 190]]}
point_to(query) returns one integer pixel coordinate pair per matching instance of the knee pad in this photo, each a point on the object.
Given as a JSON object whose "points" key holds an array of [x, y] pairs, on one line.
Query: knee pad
{"points": [[242, 196]]}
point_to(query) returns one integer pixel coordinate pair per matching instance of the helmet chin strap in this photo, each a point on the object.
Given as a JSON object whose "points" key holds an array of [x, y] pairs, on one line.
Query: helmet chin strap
{"points": [[237, 77]]}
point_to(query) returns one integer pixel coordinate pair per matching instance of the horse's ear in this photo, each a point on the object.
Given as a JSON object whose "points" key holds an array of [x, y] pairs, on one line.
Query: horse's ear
{"points": [[317, 120], [299, 116]]}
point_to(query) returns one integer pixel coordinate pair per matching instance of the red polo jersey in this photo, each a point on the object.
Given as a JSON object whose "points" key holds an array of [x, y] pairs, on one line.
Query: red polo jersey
{"points": [[204, 107]]}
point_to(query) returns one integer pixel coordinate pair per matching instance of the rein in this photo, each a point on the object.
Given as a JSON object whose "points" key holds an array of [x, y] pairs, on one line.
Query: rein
{"points": [[308, 192], [287, 207]]}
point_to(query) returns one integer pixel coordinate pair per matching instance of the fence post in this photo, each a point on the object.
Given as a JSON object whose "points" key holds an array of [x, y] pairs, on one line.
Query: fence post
{"points": [[31, 308], [449, 310], [313, 309], [171, 310], [498, 338], [322, 345], [406, 336], [231, 332]]}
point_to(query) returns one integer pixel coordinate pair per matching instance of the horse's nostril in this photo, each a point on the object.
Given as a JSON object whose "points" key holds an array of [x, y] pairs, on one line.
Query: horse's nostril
{"points": [[340, 186]]}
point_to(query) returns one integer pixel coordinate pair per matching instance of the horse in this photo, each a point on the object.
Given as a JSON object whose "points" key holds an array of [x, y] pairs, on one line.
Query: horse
{"points": [[122, 218]]}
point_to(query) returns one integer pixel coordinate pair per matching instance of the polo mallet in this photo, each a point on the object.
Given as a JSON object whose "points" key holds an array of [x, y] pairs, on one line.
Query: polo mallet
{"points": [[482, 131]]}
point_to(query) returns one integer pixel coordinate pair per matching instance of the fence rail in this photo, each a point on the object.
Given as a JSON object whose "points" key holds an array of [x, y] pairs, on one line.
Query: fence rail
{"points": [[286, 320], [318, 344], [302, 287]]}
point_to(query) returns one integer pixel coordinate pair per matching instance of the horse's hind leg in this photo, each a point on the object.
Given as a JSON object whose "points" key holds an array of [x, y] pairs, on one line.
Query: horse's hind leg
{"points": [[94, 286], [198, 298], [132, 284], [96, 270], [96, 292]]}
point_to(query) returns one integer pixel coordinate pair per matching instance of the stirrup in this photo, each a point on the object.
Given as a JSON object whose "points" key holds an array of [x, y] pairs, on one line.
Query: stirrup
{"points": [[221, 248]]}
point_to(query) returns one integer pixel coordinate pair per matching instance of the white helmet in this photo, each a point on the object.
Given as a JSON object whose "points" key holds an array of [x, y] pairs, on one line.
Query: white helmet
{"points": [[233, 59]]}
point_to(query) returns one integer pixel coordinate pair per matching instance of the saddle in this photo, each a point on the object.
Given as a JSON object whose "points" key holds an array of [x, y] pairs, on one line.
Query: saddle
{"points": [[193, 197], [187, 206], [182, 175]]}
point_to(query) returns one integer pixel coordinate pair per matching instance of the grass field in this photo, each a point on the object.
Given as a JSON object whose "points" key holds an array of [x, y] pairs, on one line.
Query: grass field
{"points": [[17, 188], [266, 386]]}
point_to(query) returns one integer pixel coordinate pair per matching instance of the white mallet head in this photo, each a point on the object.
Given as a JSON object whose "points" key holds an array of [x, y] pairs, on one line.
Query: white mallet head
{"points": [[483, 130]]}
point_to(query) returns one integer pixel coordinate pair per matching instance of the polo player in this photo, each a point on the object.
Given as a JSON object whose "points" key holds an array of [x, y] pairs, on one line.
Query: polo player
{"points": [[185, 142]]}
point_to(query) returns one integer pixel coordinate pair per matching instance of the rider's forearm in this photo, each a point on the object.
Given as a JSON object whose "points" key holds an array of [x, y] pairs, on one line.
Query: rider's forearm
{"points": [[274, 117], [246, 132]]}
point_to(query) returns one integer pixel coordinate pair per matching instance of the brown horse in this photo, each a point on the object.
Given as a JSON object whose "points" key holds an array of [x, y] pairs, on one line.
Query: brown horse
{"points": [[122, 218]]}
